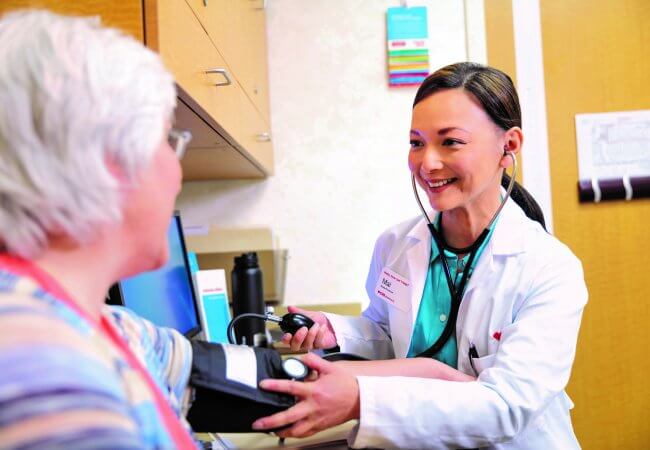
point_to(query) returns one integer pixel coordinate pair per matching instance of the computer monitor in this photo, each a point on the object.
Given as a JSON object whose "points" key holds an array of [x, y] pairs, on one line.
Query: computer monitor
{"points": [[164, 296]]}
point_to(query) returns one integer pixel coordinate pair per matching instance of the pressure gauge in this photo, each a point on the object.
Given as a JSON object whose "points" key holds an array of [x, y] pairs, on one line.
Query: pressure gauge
{"points": [[295, 369]]}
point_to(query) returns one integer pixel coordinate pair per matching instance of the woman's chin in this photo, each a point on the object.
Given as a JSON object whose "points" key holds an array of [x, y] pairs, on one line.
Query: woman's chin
{"points": [[148, 263], [161, 260], [440, 204]]}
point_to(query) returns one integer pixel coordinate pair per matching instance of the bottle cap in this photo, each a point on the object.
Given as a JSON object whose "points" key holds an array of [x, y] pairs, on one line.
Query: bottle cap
{"points": [[246, 260]]}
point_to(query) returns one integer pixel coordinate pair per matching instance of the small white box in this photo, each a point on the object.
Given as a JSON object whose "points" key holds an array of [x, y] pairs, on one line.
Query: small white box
{"points": [[214, 309]]}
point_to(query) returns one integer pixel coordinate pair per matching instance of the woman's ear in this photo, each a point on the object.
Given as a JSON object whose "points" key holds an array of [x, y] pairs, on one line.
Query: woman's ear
{"points": [[513, 141]]}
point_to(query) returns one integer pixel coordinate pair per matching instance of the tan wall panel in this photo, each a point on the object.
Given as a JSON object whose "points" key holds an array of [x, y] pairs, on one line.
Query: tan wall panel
{"points": [[500, 36], [500, 44], [596, 59]]}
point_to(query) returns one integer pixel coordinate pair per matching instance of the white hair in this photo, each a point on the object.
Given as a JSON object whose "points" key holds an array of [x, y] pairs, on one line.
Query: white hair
{"points": [[77, 102]]}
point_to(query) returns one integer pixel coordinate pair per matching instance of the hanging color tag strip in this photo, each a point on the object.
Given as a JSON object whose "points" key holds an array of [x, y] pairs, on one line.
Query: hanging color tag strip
{"points": [[408, 46]]}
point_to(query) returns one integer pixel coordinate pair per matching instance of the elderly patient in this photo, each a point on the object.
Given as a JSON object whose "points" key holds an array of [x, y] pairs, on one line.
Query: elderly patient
{"points": [[88, 181]]}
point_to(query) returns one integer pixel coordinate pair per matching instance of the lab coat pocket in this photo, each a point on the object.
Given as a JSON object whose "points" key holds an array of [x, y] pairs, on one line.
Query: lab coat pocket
{"points": [[484, 362]]}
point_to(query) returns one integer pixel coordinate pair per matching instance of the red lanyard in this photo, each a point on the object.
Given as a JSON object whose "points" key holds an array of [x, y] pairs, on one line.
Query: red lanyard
{"points": [[179, 435]]}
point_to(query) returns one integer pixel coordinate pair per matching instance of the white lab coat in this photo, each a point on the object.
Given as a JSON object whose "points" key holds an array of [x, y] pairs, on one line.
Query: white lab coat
{"points": [[528, 287]]}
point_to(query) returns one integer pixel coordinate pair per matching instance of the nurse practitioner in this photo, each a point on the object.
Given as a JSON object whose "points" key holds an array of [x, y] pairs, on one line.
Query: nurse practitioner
{"points": [[474, 309]]}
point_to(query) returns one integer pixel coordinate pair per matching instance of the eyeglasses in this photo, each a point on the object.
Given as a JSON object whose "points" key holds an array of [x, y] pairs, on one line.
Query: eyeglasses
{"points": [[178, 140]]}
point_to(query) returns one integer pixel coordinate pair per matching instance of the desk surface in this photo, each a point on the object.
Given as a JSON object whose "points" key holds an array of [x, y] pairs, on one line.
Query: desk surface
{"points": [[333, 439]]}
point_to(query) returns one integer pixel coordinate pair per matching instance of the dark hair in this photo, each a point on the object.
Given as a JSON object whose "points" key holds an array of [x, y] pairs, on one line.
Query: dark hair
{"points": [[498, 97]]}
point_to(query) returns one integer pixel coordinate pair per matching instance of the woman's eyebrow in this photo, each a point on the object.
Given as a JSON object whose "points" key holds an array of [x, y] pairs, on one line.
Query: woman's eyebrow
{"points": [[441, 131], [448, 129]]}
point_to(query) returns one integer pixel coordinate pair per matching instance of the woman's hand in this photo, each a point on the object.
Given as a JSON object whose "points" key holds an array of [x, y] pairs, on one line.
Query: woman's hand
{"points": [[320, 335], [332, 399]]}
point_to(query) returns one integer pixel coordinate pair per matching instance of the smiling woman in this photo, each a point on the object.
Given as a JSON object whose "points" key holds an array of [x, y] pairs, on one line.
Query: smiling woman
{"points": [[457, 156], [479, 287]]}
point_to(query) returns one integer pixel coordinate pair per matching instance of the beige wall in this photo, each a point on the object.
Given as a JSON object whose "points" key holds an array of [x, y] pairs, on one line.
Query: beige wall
{"points": [[340, 138]]}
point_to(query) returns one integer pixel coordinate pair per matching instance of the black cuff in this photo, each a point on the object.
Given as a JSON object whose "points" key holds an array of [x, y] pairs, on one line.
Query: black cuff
{"points": [[224, 405]]}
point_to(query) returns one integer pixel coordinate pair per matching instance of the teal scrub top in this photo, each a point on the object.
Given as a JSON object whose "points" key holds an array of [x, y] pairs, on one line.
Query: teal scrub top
{"points": [[436, 302]]}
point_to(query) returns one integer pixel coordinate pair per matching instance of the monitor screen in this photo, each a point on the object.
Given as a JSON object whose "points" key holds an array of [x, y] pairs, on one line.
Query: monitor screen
{"points": [[164, 296]]}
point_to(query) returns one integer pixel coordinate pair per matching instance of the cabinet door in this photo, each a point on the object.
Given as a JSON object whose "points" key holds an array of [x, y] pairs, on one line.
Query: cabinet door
{"points": [[256, 135], [251, 55], [188, 52], [238, 30], [220, 20], [125, 14]]}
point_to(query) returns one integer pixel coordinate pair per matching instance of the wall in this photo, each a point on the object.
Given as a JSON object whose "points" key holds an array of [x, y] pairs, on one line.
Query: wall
{"points": [[340, 139], [595, 57], [602, 67]]}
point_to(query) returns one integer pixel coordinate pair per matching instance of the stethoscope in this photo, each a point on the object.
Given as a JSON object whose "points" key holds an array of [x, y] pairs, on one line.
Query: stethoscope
{"points": [[456, 293]]}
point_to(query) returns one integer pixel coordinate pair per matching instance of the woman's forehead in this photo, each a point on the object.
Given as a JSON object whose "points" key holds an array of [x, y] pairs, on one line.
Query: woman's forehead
{"points": [[449, 110]]}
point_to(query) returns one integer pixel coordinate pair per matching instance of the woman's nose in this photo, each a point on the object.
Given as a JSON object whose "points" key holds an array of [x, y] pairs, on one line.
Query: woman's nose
{"points": [[431, 160]]}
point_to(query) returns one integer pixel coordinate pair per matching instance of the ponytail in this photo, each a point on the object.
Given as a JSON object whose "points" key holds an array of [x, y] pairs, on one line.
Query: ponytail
{"points": [[525, 201]]}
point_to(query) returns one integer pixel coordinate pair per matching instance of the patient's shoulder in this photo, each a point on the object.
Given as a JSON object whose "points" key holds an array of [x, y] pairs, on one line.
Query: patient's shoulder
{"points": [[56, 384]]}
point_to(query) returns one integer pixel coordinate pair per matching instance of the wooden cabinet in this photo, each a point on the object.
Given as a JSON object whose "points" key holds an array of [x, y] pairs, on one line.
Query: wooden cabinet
{"points": [[236, 28], [216, 50], [205, 48]]}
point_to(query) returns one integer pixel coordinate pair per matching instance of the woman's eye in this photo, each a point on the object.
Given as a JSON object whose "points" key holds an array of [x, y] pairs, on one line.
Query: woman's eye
{"points": [[415, 144], [451, 142]]}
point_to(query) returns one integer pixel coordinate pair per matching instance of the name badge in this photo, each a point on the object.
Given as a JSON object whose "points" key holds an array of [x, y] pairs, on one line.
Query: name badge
{"points": [[394, 289]]}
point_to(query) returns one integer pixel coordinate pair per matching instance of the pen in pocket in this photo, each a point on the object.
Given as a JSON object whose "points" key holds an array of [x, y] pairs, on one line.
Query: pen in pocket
{"points": [[471, 355]]}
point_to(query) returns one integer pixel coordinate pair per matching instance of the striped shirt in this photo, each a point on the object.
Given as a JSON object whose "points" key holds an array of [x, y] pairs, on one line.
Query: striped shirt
{"points": [[64, 385]]}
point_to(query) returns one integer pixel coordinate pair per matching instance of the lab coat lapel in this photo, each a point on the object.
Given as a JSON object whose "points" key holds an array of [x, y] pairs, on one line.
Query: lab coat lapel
{"points": [[417, 263], [507, 239]]}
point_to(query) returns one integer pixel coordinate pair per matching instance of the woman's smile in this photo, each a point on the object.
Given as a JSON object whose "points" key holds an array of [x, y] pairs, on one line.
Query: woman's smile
{"points": [[438, 185]]}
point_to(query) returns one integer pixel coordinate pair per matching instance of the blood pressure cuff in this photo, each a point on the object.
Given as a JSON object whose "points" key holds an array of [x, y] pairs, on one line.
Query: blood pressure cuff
{"points": [[225, 379]]}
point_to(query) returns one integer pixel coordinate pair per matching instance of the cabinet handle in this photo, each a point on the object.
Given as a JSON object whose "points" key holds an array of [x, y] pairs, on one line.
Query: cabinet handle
{"points": [[205, 3], [225, 74], [264, 137]]}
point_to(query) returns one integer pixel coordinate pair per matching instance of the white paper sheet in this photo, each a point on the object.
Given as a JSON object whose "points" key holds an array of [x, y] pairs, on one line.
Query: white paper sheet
{"points": [[613, 145]]}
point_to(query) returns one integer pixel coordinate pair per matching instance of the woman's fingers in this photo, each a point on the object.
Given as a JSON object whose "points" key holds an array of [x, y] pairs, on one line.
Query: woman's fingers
{"points": [[315, 362], [320, 337], [297, 412], [298, 339], [311, 337], [291, 387], [300, 429], [304, 339], [313, 376]]}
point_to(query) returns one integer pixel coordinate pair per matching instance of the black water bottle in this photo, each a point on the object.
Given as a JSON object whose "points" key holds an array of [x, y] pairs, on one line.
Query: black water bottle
{"points": [[248, 297]]}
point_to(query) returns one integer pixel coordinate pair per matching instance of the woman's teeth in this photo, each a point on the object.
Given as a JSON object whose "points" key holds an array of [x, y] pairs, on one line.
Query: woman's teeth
{"points": [[436, 184]]}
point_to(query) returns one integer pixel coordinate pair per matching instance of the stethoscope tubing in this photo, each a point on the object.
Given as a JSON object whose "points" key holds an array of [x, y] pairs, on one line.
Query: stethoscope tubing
{"points": [[457, 295]]}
